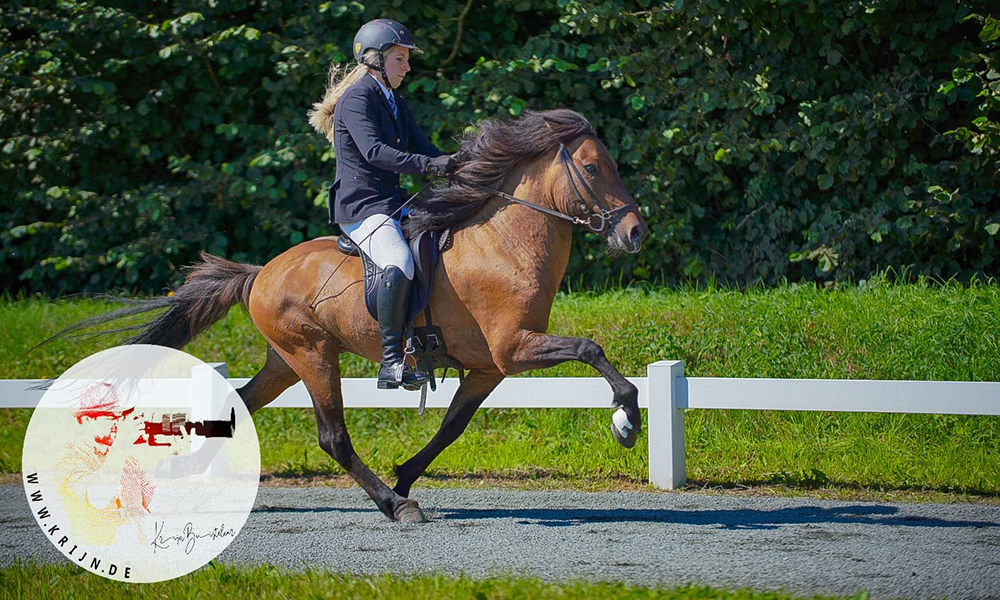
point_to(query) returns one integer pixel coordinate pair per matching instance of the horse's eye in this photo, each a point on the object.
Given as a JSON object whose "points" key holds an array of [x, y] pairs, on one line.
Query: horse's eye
{"points": [[590, 169]]}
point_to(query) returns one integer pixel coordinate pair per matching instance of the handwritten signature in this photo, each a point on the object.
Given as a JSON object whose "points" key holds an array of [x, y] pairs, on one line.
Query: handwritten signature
{"points": [[188, 537]]}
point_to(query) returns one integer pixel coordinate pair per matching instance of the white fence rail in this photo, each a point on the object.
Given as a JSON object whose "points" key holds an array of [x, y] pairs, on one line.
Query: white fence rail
{"points": [[670, 394], [665, 392]]}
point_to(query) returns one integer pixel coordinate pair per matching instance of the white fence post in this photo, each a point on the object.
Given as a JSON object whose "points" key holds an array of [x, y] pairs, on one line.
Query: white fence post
{"points": [[208, 401], [666, 423]]}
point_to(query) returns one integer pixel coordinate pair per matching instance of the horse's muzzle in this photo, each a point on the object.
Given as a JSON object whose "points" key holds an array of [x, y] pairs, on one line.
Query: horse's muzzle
{"points": [[636, 234]]}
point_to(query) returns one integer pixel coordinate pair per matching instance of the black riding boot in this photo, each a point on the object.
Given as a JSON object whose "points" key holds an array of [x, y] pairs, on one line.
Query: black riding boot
{"points": [[393, 304]]}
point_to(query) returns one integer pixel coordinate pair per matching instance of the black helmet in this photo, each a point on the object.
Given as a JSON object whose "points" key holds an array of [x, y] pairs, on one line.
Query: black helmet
{"points": [[380, 34]]}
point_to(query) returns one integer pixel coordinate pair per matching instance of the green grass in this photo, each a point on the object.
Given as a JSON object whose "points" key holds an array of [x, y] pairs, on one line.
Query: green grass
{"points": [[30, 582], [876, 331]]}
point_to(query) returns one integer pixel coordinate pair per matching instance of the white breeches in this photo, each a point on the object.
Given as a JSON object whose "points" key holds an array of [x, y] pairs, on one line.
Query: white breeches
{"points": [[380, 238]]}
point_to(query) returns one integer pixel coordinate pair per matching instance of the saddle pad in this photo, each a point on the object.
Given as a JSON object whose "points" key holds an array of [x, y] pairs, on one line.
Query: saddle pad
{"points": [[425, 251]]}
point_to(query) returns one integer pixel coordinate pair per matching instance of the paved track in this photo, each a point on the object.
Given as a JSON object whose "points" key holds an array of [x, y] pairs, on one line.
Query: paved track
{"points": [[803, 546]]}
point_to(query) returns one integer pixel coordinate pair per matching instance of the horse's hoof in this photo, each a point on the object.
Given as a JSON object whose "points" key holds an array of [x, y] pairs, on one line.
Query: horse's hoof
{"points": [[410, 513], [622, 429]]}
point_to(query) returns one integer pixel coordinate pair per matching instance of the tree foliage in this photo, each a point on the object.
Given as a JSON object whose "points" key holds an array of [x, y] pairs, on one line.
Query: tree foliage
{"points": [[980, 75], [765, 139]]}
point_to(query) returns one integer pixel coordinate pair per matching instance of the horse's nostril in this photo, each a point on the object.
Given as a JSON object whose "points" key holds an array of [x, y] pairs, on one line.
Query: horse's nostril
{"points": [[636, 234]]}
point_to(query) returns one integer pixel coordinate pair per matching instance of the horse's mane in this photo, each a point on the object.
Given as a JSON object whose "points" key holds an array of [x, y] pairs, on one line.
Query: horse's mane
{"points": [[485, 156]]}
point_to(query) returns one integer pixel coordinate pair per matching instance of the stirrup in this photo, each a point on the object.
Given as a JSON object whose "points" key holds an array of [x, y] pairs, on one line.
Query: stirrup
{"points": [[405, 377]]}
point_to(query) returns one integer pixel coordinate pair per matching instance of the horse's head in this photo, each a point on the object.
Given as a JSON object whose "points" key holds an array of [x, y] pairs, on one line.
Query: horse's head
{"points": [[579, 180], [585, 184]]}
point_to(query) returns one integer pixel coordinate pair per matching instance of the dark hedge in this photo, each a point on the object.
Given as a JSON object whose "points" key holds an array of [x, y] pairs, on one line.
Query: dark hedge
{"points": [[765, 139]]}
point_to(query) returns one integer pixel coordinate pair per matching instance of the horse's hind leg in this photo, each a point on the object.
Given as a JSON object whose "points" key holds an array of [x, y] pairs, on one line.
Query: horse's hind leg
{"points": [[469, 397], [321, 374], [273, 378]]}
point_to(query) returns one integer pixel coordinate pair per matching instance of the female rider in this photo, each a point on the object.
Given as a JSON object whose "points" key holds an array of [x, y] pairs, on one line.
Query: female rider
{"points": [[376, 138]]}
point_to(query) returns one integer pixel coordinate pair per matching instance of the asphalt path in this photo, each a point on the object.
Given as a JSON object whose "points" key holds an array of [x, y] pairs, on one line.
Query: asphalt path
{"points": [[803, 546]]}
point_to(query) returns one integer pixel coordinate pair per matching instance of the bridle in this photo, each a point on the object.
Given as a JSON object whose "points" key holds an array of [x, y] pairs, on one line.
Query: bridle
{"points": [[598, 215]]}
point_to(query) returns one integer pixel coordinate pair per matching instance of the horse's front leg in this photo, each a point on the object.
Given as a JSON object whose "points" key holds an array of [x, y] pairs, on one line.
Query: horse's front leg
{"points": [[535, 350], [335, 441], [317, 362], [476, 386]]}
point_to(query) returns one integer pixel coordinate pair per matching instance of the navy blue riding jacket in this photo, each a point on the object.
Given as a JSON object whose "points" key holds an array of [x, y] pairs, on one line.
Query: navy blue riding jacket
{"points": [[373, 148]]}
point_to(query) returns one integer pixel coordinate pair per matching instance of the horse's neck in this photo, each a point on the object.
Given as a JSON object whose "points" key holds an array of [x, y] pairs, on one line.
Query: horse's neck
{"points": [[529, 243]]}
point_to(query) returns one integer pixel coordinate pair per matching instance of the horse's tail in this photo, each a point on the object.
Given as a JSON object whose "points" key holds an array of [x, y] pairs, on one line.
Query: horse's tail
{"points": [[211, 288]]}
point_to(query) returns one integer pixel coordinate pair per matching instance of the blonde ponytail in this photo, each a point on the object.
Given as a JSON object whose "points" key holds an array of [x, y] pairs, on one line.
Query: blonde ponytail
{"points": [[340, 78]]}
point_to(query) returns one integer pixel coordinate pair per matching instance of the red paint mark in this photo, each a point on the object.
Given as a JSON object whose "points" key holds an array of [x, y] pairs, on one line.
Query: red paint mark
{"points": [[101, 414]]}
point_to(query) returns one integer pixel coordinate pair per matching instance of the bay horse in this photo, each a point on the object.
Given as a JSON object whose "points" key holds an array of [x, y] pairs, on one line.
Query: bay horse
{"points": [[492, 291]]}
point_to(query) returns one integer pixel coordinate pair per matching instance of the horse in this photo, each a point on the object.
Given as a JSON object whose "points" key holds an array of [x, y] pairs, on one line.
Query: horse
{"points": [[494, 287]]}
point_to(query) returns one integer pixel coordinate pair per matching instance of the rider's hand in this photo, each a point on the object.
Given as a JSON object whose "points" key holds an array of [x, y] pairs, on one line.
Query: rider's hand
{"points": [[441, 166]]}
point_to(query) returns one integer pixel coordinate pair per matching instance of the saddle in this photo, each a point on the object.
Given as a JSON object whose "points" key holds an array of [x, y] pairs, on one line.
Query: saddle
{"points": [[425, 344]]}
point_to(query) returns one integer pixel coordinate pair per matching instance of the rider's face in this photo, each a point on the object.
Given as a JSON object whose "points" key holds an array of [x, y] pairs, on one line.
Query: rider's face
{"points": [[397, 65], [101, 431]]}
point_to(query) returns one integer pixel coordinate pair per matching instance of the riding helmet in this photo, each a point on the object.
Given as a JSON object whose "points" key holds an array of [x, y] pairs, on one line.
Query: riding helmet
{"points": [[380, 34]]}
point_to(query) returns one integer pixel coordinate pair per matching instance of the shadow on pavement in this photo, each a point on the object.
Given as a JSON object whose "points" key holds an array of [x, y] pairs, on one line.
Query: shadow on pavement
{"points": [[726, 519]]}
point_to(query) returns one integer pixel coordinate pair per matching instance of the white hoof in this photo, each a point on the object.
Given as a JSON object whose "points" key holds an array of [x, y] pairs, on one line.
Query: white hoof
{"points": [[622, 429]]}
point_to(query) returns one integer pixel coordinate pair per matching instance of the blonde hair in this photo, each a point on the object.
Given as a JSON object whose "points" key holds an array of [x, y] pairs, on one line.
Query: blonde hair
{"points": [[341, 77]]}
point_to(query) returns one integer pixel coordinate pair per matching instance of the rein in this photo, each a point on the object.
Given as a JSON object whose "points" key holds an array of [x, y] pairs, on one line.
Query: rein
{"points": [[595, 209]]}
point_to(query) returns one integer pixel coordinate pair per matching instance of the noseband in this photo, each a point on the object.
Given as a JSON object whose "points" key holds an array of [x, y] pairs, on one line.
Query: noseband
{"points": [[598, 216]]}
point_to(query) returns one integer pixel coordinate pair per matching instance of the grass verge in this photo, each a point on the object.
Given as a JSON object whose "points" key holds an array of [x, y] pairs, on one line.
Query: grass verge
{"points": [[23, 582]]}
